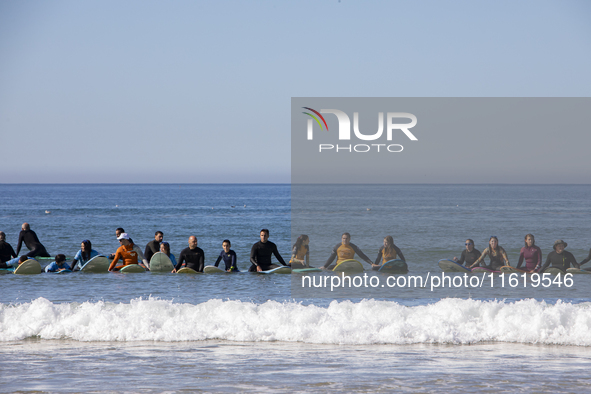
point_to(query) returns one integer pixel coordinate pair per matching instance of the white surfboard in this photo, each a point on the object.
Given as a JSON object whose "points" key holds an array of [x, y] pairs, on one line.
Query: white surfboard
{"points": [[132, 269], [279, 270], [28, 267], [160, 262], [187, 270], [212, 269], [97, 264]]}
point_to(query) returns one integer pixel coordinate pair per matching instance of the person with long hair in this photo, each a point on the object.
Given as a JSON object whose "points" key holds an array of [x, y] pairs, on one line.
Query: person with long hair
{"points": [[532, 255], [82, 257], [300, 252], [165, 248], [496, 253], [389, 251]]}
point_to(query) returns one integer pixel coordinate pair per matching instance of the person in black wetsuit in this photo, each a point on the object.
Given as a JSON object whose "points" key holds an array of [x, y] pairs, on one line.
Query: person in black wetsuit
{"points": [[193, 257], [560, 258], [260, 254], [154, 245], [469, 255], [6, 251], [229, 257], [31, 241], [586, 261]]}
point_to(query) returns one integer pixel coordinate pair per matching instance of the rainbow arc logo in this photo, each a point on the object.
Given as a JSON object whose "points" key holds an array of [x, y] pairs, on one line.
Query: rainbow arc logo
{"points": [[315, 118]]}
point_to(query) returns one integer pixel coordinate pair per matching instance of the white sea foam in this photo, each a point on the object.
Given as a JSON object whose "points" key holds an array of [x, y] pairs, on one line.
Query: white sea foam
{"points": [[455, 321]]}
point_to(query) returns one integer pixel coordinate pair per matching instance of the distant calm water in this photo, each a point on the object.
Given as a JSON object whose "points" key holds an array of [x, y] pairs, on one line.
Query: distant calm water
{"points": [[246, 332]]}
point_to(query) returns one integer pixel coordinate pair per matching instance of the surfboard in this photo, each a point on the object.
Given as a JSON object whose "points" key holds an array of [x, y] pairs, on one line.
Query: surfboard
{"points": [[212, 269], [132, 269], [6, 270], [28, 267], [554, 271], [512, 270], [187, 270], [306, 270], [447, 265], [97, 265], [59, 272], [484, 269], [279, 270], [394, 266], [349, 266], [576, 271], [160, 262]]}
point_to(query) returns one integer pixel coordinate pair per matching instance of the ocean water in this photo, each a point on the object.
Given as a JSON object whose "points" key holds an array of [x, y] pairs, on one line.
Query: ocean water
{"points": [[266, 333]]}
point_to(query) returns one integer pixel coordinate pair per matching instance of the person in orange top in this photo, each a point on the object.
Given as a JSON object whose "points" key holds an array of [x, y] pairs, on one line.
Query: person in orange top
{"points": [[344, 251], [387, 252], [129, 253]]}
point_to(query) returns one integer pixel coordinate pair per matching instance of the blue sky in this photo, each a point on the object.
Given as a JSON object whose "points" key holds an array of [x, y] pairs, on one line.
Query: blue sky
{"points": [[196, 91]]}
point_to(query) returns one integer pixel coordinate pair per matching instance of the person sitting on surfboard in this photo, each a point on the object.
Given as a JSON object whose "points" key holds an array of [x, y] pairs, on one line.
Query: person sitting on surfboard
{"points": [[31, 241], [84, 255], [532, 255], [153, 246], [345, 251], [6, 251], [165, 248], [260, 254], [498, 256], [300, 253], [586, 261], [58, 265], [118, 232], [560, 258], [469, 255], [387, 253], [193, 257], [129, 253], [229, 257]]}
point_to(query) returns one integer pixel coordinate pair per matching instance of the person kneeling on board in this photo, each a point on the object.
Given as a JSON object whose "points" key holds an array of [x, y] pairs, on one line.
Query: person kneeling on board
{"points": [[469, 255], [193, 257], [260, 254], [58, 265], [560, 258], [387, 253], [129, 253], [345, 251], [31, 241]]}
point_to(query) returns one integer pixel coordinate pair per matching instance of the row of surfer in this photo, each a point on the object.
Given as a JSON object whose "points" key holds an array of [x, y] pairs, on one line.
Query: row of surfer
{"points": [[530, 254]]}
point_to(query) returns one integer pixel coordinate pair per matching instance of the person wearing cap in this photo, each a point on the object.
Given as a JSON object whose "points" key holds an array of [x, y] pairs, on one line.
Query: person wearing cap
{"points": [[84, 255], [6, 251], [31, 241], [560, 258], [58, 265], [129, 253]]}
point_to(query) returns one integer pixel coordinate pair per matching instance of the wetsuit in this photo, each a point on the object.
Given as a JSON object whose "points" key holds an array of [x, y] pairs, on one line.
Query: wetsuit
{"points": [[303, 253], [469, 257], [561, 261], [229, 259], [151, 248], [260, 255], [345, 252], [80, 260], [497, 259], [32, 243], [130, 254], [193, 258], [6, 253], [532, 256], [53, 267], [587, 259]]}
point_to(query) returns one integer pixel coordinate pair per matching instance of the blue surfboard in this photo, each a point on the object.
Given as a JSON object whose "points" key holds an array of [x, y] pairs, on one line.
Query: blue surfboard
{"points": [[394, 266]]}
